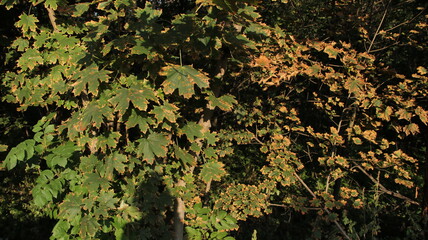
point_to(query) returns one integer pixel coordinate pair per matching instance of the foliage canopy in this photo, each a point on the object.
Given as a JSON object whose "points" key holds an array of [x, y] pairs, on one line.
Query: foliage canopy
{"points": [[214, 121]]}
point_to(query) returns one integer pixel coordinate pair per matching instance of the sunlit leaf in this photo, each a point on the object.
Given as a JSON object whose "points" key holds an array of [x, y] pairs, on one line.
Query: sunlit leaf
{"points": [[183, 78], [89, 79], [27, 22], [154, 145], [30, 59], [212, 170]]}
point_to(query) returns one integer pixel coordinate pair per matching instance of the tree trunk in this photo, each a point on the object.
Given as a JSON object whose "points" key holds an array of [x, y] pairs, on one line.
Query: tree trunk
{"points": [[205, 121], [424, 204]]}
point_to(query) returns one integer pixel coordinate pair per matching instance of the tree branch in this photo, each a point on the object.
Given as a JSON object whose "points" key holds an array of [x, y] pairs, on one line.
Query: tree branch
{"points": [[325, 209], [407, 21], [52, 18], [384, 189], [378, 28]]}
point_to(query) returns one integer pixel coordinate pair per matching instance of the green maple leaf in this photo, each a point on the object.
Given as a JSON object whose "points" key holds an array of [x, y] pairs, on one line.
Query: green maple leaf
{"points": [[139, 98], [8, 3], [107, 199], [212, 171], [183, 78], [65, 42], [155, 145], [40, 39], [136, 119], [60, 231], [225, 102], [87, 164], [192, 130], [186, 158], [21, 44], [93, 182], [111, 163], [94, 113], [71, 208], [90, 77], [30, 59], [53, 4], [88, 226], [80, 8], [165, 111], [27, 22]]}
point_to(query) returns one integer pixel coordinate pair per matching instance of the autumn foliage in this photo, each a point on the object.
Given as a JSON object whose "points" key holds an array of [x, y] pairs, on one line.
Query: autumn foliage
{"points": [[216, 122]]}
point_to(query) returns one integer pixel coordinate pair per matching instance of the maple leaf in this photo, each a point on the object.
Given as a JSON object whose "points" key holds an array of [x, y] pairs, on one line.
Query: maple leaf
{"points": [[192, 131], [186, 158], [88, 226], [370, 135], [70, 209], [107, 199], [183, 78], [213, 170], [423, 114], [87, 164], [90, 77], [27, 22], [354, 85], [30, 59], [111, 163], [21, 44], [331, 51], [80, 8], [94, 114], [136, 119], [155, 145], [224, 102], [165, 111], [93, 182], [263, 61], [53, 4], [138, 97], [64, 41], [411, 129]]}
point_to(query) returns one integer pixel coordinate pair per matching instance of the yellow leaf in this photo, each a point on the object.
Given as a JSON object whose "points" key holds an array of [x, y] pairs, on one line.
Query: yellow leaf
{"points": [[422, 115], [262, 61], [412, 128], [370, 135]]}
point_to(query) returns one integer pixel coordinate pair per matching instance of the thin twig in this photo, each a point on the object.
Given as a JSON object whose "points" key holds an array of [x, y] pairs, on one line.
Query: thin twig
{"points": [[325, 208], [378, 27], [383, 48], [406, 22], [285, 206], [384, 189]]}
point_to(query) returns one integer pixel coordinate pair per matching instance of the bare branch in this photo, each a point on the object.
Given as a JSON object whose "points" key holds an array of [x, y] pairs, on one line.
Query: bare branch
{"points": [[52, 18], [285, 206], [384, 189], [378, 28], [325, 209], [407, 21]]}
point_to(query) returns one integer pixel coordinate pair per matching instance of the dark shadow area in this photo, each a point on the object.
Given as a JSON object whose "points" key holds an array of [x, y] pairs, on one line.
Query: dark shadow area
{"points": [[18, 218], [157, 207]]}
